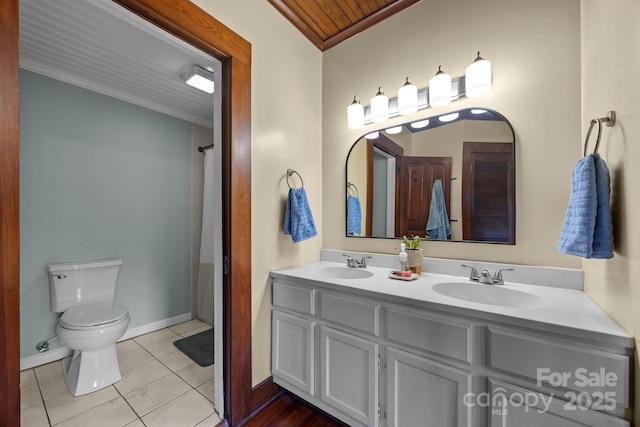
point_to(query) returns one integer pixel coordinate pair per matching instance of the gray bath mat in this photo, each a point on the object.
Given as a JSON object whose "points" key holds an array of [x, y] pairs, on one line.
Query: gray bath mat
{"points": [[198, 347]]}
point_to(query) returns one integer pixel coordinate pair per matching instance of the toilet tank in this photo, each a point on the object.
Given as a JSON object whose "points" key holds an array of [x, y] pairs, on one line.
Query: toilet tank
{"points": [[81, 283]]}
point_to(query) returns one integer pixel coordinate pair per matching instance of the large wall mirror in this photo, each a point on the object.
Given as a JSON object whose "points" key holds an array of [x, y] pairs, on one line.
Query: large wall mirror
{"points": [[450, 177]]}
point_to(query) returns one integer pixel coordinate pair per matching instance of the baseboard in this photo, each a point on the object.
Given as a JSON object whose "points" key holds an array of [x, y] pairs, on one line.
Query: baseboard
{"points": [[151, 327], [263, 393], [44, 358], [32, 361]]}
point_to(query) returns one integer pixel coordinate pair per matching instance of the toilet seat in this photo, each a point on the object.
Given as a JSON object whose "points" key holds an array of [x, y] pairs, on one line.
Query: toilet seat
{"points": [[92, 315]]}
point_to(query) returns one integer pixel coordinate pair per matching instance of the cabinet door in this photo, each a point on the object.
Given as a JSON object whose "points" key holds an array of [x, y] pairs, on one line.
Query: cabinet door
{"points": [[513, 406], [292, 355], [421, 392], [349, 374]]}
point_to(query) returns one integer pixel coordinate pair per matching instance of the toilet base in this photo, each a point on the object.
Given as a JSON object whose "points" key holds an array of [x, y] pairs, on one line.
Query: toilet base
{"points": [[91, 370]]}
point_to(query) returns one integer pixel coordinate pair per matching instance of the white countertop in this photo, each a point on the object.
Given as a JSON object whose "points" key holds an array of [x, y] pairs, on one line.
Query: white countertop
{"points": [[567, 311]]}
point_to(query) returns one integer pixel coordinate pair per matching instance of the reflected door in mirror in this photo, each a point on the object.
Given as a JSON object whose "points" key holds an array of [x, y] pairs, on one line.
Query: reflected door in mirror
{"points": [[418, 175], [487, 186]]}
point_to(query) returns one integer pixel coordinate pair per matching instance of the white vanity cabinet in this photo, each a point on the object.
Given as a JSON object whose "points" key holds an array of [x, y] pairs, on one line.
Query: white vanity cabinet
{"points": [[371, 359], [422, 392]]}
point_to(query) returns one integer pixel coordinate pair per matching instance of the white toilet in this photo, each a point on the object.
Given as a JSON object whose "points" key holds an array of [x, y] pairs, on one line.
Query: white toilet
{"points": [[91, 322]]}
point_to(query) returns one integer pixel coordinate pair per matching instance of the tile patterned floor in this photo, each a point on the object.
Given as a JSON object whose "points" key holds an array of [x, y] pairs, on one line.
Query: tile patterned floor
{"points": [[160, 387]]}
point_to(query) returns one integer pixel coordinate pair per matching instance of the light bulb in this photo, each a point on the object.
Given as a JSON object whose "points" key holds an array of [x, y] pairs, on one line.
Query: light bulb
{"points": [[440, 89], [477, 78], [379, 107], [407, 98], [355, 114]]}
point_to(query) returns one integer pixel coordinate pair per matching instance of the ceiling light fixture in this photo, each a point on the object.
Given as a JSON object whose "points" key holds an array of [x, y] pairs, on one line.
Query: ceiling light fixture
{"points": [[372, 135], [449, 117], [394, 130], [420, 124], [199, 78]]}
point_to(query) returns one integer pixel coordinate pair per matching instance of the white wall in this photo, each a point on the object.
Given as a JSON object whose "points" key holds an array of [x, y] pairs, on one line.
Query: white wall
{"points": [[534, 48], [286, 90], [610, 70]]}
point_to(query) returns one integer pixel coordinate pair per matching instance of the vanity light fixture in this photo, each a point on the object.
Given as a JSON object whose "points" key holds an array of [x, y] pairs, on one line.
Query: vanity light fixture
{"points": [[394, 130], [440, 89], [449, 117], [477, 77], [379, 107], [199, 78], [407, 98], [372, 135], [420, 124], [355, 114]]}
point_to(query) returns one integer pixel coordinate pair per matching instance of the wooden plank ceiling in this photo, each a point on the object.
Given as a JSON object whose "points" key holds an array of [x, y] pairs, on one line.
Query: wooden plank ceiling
{"points": [[328, 22]]}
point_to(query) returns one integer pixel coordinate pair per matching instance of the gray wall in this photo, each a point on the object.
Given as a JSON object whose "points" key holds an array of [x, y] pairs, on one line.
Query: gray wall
{"points": [[102, 178]]}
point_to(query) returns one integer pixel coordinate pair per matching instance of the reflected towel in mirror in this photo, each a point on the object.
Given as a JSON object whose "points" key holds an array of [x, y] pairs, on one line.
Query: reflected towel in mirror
{"points": [[298, 220], [438, 226], [354, 216]]}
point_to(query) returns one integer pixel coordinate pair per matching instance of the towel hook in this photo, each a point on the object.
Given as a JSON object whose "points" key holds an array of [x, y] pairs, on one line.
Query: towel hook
{"points": [[610, 120], [352, 186], [291, 172]]}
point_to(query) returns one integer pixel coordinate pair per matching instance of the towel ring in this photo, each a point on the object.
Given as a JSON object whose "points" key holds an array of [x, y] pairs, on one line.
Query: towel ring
{"points": [[352, 186], [291, 172], [610, 120]]}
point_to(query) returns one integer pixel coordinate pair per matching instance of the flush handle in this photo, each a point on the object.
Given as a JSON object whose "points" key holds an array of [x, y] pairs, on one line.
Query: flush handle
{"points": [[61, 276]]}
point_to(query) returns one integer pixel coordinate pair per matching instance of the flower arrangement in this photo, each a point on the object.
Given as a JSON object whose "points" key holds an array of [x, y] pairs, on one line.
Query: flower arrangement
{"points": [[414, 241]]}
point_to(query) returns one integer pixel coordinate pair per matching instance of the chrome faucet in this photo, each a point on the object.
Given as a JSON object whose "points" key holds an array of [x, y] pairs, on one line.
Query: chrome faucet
{"points": [[354, 263], [485, 277]]}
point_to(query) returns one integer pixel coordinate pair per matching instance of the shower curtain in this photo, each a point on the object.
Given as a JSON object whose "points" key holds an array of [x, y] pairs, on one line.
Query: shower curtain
{"points": [[204, 299]]}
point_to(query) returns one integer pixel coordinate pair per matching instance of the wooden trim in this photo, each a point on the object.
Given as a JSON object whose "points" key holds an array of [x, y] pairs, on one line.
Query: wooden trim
{"points": [[264, 393], [367, 22], [286, 11], [196, 27], [193, 25], [188, 22], [320, 41], [390, 147], [369, 190], [9, 216]]}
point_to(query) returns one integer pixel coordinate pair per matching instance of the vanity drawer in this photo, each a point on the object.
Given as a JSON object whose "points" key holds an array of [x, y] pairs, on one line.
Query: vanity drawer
{"points": [[355, 313], [436, 334], [560, 364], [294, 298]]}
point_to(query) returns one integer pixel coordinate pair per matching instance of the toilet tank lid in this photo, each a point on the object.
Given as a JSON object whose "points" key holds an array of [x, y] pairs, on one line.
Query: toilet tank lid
{"points": [[79, 265]]}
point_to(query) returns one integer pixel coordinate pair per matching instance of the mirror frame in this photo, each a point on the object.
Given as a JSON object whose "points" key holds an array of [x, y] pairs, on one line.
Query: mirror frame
{"points": [[467, 115]]}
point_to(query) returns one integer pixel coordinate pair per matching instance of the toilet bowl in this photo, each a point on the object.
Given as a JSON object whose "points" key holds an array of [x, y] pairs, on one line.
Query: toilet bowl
{"points": [[91, 323], [86, 331]]}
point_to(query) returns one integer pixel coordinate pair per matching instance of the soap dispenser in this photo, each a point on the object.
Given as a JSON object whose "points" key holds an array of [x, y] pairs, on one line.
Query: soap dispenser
{"points": [[404, 264]]}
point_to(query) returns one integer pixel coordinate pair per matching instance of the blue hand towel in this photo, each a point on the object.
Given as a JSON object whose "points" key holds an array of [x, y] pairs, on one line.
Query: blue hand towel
{"points": [[298, 220], [438, 227], [354, 216], [577, 233], [603, 233]]}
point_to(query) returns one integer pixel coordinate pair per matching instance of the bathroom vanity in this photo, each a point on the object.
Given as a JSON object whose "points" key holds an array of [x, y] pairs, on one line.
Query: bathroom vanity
{"points": [[373, 351]]}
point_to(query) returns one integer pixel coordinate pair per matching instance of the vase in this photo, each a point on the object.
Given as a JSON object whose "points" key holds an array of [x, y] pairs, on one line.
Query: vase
{"points": [[414, 258]]}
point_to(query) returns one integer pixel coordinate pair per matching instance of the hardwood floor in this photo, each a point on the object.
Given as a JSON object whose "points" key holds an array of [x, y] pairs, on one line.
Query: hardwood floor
{"points": [[289, 411]]}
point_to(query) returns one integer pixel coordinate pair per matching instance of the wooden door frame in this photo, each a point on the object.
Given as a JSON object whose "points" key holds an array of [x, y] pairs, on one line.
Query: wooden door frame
{"points": [[191, 24], [385, 144]]}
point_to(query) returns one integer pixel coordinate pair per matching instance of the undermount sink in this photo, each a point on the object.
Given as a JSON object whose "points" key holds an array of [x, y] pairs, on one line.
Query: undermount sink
{"points": [[489, 294], [342, 273]]}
